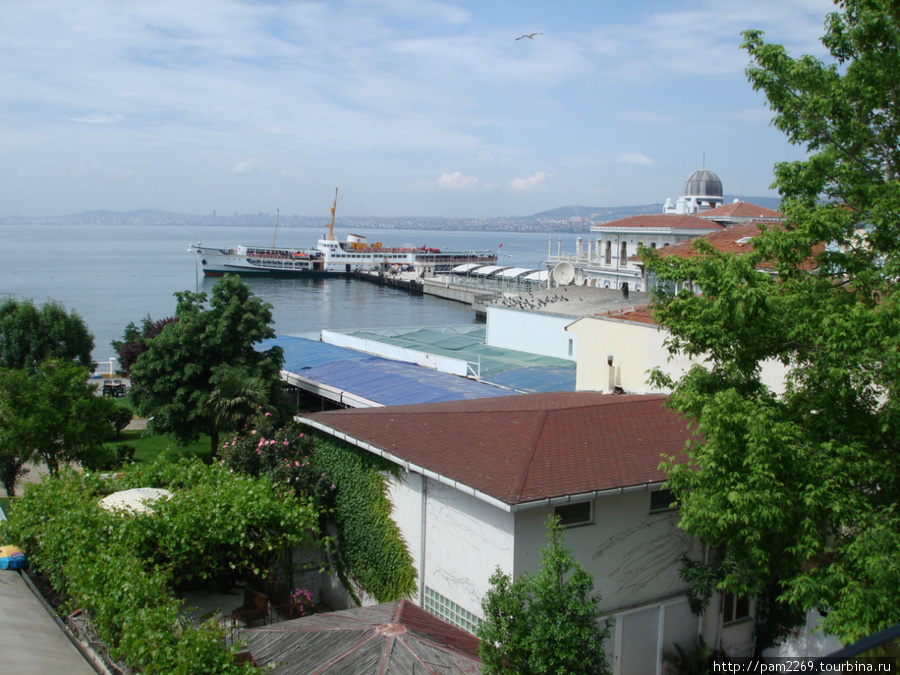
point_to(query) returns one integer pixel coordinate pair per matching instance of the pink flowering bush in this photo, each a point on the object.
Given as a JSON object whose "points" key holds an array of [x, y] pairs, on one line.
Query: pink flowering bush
{"points": [[301, 603], [283, 455]]}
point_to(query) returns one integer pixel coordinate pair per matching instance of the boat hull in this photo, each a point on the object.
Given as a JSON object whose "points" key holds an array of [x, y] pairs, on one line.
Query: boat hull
{"points": [[329, 259]]}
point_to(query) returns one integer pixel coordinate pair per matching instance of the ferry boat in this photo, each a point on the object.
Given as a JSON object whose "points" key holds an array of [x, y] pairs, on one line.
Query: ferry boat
{"points": [[330, 257]]}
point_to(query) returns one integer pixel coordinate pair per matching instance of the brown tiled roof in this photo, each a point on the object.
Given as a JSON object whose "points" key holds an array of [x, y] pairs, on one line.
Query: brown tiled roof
{"points": [[729, 240], [742, 210], [396, 638], [520, 449], [737, 239], [642, 314], [660, 221]]}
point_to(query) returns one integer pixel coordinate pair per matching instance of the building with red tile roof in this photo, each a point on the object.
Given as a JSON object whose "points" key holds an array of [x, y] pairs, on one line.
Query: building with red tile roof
{"points": [[741, 212], [481, 478]]}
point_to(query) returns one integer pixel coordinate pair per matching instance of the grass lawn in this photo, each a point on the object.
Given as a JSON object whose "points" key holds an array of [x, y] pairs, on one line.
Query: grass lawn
{"points": [[148, 448]]}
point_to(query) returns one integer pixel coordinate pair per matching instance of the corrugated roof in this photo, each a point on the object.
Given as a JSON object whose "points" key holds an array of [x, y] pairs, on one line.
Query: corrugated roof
{"points": [[528, 448], [397, 638], [536, 380], [468, 344], [302, 353], [388, 382], [380, 380]]}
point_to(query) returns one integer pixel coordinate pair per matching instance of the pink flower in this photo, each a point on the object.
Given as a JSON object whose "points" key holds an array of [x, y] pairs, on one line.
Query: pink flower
{"points": [[285, 442], [253, 432], [302, 435], [297, 463], [268, 414]]}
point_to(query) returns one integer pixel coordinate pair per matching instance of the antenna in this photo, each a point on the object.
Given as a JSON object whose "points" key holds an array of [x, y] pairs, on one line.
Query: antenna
{"points": [[333, 207], [277, 214]]}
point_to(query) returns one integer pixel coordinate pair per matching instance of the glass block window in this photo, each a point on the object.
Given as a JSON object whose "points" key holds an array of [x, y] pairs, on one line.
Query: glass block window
{"points": [[449, 611]]}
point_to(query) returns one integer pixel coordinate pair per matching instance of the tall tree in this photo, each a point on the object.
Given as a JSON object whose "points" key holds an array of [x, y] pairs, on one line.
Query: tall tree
{"points": [[175, 377], [53, 415], [798, 493], [134, 341], [543, 624], [30, 335]]}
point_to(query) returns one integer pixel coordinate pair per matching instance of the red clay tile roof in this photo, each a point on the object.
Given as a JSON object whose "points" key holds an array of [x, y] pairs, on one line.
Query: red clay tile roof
{"points": [[744, 210], [520, 449], [397, 638], [737, 239], [642, 314], [659, 221], [728, 240]]}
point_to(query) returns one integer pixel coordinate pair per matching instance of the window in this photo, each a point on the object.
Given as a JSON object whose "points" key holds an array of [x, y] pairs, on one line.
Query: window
{"points": [[735, 608], [571, 515], [623, 254], [571, 346], [662, 500], [652, 244], [608, 257]]}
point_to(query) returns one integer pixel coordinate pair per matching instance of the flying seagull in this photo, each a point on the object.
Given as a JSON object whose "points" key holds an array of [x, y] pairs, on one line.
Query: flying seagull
{"points": [[530, 36]]}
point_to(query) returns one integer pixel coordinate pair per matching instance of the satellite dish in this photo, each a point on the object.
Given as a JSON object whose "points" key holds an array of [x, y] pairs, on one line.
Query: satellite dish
{"points": [[563, 274]]}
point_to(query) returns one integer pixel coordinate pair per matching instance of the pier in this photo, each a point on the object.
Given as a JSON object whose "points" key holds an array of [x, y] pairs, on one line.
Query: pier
{"points": [[474, 292]]}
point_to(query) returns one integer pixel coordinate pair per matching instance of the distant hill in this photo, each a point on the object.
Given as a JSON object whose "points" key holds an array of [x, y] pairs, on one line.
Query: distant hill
{"points": [[617, 212]]}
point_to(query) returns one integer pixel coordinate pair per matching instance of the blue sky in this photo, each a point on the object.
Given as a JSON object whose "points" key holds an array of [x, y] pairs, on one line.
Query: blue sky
{"points": [[411, 107]]}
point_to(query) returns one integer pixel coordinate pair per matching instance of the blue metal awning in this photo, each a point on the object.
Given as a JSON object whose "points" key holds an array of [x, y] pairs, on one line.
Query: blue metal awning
{"points": [[319, 366]]}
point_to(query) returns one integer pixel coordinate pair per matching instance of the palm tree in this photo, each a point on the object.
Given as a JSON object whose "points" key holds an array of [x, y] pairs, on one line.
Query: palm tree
{"points": [[236, 398]]}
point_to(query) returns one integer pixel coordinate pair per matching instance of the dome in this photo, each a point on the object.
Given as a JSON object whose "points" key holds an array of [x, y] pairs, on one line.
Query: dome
{"points": [[702, 183]]}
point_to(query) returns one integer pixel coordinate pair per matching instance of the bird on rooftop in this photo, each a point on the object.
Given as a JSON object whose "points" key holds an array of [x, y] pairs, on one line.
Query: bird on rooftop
{"points": [[530, 36]]}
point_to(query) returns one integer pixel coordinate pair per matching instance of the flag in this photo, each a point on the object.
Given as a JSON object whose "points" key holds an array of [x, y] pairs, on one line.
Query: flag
{"points": [[500, 246]]}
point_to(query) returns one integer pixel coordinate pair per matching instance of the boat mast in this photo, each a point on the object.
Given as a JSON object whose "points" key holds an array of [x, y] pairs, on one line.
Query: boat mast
{"points": [[331, 226], [277, 213]]}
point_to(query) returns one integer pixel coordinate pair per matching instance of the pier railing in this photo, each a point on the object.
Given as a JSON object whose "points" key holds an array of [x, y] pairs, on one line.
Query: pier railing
{"points": [[493, 286]]}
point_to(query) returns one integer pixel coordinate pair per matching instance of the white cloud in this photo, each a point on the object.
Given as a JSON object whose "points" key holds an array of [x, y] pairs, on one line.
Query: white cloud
{"points": [[456, 181], [634, 158], [242, 167], [98, 118], [530, 183]]}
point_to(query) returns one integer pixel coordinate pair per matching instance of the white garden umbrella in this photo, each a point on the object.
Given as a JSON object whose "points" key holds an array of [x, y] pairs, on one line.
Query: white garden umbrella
{"points": [[137, 500]]}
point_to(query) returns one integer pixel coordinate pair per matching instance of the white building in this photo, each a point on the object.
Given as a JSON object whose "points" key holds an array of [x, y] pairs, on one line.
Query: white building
{"points": [[702, 191], [482, 478], [608, 258]]}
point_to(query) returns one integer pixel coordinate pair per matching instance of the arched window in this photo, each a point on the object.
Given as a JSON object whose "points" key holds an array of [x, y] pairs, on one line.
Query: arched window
{"points": [[608, 252], [623, 254]]}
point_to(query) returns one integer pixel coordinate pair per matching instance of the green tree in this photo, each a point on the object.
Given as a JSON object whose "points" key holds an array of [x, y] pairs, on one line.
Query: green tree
{"points": [[121, 567], [53, 414], [236, 398], [544, 624], [174, 379], [798, 493], [31, 335], [134, 341]]}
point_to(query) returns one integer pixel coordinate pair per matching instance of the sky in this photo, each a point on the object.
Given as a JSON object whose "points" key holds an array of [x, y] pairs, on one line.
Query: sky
{"points": [[409, 107]]}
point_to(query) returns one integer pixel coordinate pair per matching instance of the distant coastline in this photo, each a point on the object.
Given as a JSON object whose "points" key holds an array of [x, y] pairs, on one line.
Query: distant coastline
{"points": [[561, 219]]}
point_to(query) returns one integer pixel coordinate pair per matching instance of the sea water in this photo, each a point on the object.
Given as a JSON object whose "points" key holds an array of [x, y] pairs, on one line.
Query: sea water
{"points": [[112, 275]]}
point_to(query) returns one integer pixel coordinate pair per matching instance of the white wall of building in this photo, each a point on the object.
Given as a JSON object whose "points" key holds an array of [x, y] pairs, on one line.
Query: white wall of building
{"points": [[533, 332], [636, 348], [633, 554], [458, 544]]}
